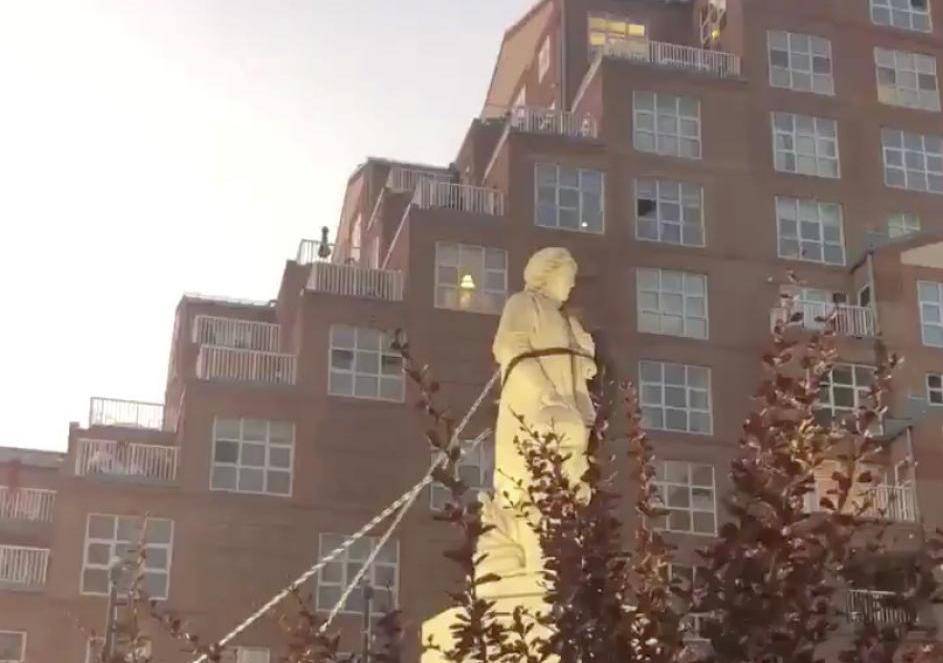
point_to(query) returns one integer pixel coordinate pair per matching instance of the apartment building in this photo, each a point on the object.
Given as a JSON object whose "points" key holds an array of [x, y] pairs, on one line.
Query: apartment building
{"points": [[690, 155]]}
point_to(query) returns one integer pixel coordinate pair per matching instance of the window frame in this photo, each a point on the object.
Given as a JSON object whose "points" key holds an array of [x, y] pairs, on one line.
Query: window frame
{"points": [[707, 413], [382, 352], [686, 319], [934, 389], [657, 183], [801, 255], [580, 171], [902, 167], [903, 224], [794, 135], [266, 468], [656, 134], [859, 391], [610, 36], [24, 635], [344, 559], [662, 489], [481, 291], [901, 60], [241, 649], [885, 4], [114, 542], [938, 304], [792, 72]]}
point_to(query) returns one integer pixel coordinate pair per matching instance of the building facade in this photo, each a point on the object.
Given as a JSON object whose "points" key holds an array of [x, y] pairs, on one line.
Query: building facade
{"points": [[691, 155]]}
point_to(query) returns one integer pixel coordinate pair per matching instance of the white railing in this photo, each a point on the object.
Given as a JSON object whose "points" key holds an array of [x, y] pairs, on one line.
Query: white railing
{"points": [[403, 180], [130, 414], [312, 250], [462, 197], [30, 504], [235, 333], [848, 320], [713, 63], [871, 605], [886, 502], [22, 567], [355, 281], [555, 122], [218, 363], [125, 459]]}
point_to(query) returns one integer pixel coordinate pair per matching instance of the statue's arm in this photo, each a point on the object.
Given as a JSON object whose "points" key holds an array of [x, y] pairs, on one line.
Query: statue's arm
{"points": [[517, 327]]}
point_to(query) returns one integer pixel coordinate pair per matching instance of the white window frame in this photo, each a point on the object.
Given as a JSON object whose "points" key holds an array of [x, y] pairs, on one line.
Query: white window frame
{"points": [[666, 193], [912, 161], [246, 654], [23, 638], [786, 143], [797, 74], [902, 224], [267, 465], [326, 543], [934, 384], [691, 622], [383, 352], [661, 138], [930, 308], [651, 283], [475, 300], [543, 59], [663, 485], [480, 459], [907, 69], [582, 192], [859, 390], [649, 386], [805, 223], [881, 7], [168, 547]]}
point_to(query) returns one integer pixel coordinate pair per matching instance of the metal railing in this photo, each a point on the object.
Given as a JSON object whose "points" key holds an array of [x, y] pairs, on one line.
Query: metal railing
{"points": [[355, 281], [218, 363], [403, 180], [885, 502], [125, 459], [130, 414], [235, 333], [28, 504], [531, 119], [848, 320], [676, 56], [462, 197], [872, 605], [312, 250], [22, 567]]}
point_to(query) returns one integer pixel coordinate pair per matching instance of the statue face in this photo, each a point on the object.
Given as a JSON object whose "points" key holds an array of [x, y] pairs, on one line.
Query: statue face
{"points": [[561, 283]]}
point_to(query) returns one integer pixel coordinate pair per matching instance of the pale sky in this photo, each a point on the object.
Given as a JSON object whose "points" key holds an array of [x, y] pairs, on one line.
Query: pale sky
{"points": [[153, 147]]}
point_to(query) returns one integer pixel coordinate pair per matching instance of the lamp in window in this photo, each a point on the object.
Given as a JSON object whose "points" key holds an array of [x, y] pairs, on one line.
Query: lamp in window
{"points": [[466, 291], [467, 283]]}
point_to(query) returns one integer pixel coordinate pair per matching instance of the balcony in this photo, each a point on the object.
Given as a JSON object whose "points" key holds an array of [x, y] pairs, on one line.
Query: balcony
{"points": [[23, 568], [887, 502], [848, 320], [552, 122], [234, 333], [354, 281], [431, 194], [875, 607], [674, 56], [127, 414], [26, 505], [311, 251], [234, 365], [126, 460], [403, 180]]}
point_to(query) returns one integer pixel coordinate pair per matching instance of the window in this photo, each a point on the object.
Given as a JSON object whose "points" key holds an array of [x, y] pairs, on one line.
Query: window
{"points": [[845, 390], [912, 161], [810, 230], [675, 397], [252, 655], [543, 59], [475, 469], [363, 365], [686, 491], [906, 79], [569, 198], [353, 252], [800, 62], [930, 295], [604, 29], [905, 14], [12, 646], [667, 124], [902, 224], [253, 456], [670, 212], [470, 278], [108, 537], [687, 578], [713, 20], [805, 145], [673, 303], [935, 389], [338, 574]]}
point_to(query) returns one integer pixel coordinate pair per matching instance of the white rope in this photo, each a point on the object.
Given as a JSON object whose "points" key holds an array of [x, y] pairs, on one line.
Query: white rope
{"points": [[408, 497]]}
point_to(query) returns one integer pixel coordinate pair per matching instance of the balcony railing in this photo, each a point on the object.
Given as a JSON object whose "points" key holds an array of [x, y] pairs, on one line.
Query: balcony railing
{"points": [[885, 502], [553, 122], [229, 364], [33, 505], [872, 605], [848, 320], [403, 180], [676, 56], [355, 281], [110, 458], [462, 197], [22, 567], [129, 414], [234, 333], [312, 250]]}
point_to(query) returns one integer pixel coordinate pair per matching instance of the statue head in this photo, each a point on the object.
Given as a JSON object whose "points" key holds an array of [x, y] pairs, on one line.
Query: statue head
{"points": [[552, 273]]}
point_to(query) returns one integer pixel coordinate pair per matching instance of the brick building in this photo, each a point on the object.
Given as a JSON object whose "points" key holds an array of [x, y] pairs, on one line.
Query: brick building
{"points": [[689, 154]]}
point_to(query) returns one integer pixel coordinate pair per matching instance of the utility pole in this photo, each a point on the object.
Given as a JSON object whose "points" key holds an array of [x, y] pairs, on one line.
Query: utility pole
{"points": [[367, 608]]}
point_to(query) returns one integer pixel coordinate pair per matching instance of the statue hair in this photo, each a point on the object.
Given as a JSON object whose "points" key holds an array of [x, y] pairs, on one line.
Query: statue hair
{"points": [[543, 264]]}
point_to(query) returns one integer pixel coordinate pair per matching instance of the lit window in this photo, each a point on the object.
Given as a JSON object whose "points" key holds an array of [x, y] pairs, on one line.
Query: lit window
{"points": [[669, 211], [605, 29], [935, 388], [800, 62], [907, 79], [475, 470], [686, 491], [673, 303], [543, 59], [338, 574], [108, 537], [905, 14], [912, 161], [569, 198], [253, 456], [903, 223], [470, 278], [713, 20], [805, 145], [810, 230], [12, 646], [667, 124], [844, 390], [363, 365], [930, 295], [675, 397]]}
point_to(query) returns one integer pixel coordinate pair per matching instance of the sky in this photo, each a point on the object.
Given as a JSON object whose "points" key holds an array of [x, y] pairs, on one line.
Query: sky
{"points": [[154, 147]]}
